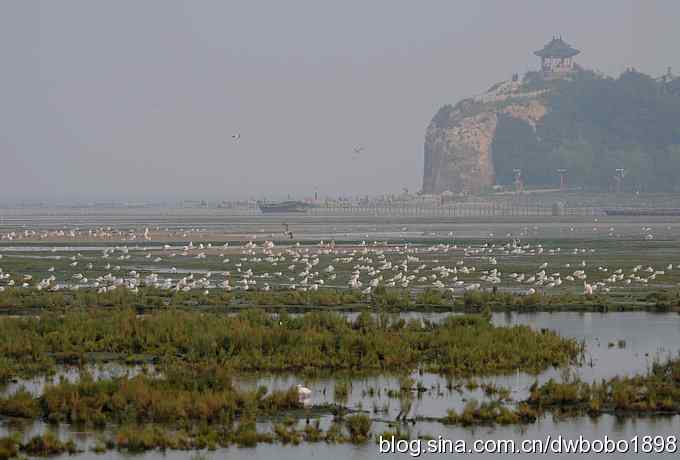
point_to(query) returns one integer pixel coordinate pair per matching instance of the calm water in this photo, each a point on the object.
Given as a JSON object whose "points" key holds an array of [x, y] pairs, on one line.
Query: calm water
{"points": [[648, 337]]}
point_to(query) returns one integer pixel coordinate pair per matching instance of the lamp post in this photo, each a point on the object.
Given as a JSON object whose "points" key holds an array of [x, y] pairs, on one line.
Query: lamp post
{"points": [[563, 179], [618, 178], [519, 181]]}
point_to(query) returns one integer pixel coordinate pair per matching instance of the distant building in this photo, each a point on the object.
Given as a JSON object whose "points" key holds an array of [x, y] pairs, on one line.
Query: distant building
{"points": [[557, 58]]}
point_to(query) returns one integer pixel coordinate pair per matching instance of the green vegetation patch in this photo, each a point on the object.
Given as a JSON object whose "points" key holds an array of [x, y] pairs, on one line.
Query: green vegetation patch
{"points": [[657, 392], [256, 341]]}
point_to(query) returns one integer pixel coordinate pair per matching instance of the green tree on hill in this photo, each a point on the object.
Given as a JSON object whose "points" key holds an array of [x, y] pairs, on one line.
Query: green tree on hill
{"points": [[595, 125]]}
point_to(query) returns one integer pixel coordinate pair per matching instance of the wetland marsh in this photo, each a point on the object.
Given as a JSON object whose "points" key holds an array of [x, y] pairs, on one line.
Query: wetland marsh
{"points": [[125, 341]]}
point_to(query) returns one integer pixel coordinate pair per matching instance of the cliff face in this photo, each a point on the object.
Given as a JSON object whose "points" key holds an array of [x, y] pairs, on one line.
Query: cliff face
{"points": [[458, 153]]}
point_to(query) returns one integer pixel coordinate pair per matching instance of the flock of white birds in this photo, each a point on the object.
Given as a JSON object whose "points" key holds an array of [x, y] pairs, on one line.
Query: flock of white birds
{"points": [[136, 261]]}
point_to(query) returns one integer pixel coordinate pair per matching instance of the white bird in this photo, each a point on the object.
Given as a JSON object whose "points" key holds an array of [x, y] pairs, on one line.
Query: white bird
{"points": [[304, 393], [587, 289]]}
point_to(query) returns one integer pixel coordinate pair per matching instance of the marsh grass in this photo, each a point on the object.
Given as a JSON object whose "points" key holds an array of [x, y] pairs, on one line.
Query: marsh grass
{"points": [[199, 394], [322, 297], [254, 341], [48, 445], [29, 301], [342, 390], [654, 393], [21, 405], [657, 392], [359, 427], [490, 413], [9, 447], [190, 402]]}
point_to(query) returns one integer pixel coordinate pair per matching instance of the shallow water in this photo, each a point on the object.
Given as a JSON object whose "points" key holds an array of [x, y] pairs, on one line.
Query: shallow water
{"points": [[36, 385], [569, 429], [648, 337], [602, 361]]}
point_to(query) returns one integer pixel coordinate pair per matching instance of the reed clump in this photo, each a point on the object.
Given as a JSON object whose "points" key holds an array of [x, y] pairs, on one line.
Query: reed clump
{"points": [[391, 299], [22, 405], [321, 297], [149, 298], [140, 439], [287, 434], [434, 297], [145, 298], [476, 301], [256, 341], [657, 392], [359, 427], [9, 447], [184, 394], [490, 413], [342, 390], [48, 445], [313, 432], [654, 393]]}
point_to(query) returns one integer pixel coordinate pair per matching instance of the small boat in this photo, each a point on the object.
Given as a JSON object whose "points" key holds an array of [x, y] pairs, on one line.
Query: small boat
{"points": [[283, 207]]}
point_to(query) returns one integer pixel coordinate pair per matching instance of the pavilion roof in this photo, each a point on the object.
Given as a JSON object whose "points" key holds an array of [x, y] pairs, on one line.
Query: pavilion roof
{"points": [[557, 48]]}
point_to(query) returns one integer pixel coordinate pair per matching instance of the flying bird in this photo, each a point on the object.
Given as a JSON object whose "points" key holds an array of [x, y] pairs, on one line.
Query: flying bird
{"points": [[236, 136]]}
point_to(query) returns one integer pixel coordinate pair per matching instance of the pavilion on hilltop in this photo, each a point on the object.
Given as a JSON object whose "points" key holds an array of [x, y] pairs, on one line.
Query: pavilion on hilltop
{"points": [[557, 57]]}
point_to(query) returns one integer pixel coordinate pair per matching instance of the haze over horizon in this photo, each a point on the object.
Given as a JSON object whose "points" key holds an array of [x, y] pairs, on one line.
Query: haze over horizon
{"points": [[139, 100]]}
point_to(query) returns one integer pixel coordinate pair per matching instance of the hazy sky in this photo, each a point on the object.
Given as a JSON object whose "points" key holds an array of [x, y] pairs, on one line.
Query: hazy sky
{"points": [[132, 98]]}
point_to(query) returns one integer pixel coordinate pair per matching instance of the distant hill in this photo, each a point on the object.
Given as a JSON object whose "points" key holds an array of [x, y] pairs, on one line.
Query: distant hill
{"points": [[585, 123]]}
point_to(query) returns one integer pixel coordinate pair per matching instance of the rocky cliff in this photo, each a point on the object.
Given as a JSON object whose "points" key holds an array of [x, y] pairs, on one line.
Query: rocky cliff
{"points": [[458, 141]]}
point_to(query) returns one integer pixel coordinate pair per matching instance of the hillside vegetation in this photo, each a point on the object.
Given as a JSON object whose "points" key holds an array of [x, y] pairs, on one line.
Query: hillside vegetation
{"points": [[595, 125]]}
